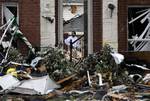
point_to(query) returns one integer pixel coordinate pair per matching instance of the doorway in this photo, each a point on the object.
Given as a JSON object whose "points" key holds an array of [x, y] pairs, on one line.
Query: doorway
{"points": [[73, 23], [78, 19]]}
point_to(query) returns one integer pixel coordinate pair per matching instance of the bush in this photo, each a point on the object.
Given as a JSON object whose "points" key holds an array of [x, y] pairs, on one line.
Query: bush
{"points": [[14, 55], [57, 65]]}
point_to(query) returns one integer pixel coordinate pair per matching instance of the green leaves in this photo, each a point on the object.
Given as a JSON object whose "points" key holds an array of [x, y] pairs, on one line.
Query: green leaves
{"points": [[14, 55], [100, 62], [57, 65]]}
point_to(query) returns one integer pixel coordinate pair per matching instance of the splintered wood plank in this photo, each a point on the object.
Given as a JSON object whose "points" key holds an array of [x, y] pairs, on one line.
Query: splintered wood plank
{"points": [[74, 85], [117, 97], [65, 79]]}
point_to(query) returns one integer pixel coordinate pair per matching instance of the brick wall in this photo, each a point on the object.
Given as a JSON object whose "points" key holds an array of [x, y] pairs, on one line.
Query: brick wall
{"points": [[56, 22], [29, 21], [122, 29], [29, 18], [97, 25]]}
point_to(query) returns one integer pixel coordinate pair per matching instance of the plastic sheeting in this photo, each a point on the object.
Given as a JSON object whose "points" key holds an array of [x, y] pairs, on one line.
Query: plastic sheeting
{"points": [[117, 57], [39, 86], [8, 82], [35, 86]]}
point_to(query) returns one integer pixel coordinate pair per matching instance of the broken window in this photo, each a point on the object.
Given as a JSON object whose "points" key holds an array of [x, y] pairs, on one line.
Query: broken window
{"points": [[139, 28], [9, 10]]}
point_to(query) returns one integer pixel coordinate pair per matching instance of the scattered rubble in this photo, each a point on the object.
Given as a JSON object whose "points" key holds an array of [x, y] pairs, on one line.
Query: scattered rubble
{"points": [[100, 76], [48, 74]]}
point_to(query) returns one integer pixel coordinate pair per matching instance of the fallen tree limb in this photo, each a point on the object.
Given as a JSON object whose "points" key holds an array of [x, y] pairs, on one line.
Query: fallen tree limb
{"points": [[74, 85], [66, 79]]}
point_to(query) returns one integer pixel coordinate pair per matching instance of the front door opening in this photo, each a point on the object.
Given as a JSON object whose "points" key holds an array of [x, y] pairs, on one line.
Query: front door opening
{"points": [[73, 28]]}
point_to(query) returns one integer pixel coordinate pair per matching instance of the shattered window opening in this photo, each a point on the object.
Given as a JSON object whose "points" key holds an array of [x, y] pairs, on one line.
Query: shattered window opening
{"points": [[138, 28], [13, 8], [9, 11]]}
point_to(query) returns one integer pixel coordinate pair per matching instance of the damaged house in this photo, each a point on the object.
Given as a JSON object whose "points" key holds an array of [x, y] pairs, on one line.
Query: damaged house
{"points": [[122, 24]]}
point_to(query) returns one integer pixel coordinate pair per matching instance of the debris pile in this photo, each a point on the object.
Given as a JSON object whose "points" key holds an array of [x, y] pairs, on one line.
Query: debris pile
{"points": [[101, 76], [105, 76]]}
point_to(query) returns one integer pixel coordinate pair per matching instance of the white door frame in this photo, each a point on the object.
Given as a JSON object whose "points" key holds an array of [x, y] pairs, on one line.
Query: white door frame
{"points": [[90, 24], [60, 21]]}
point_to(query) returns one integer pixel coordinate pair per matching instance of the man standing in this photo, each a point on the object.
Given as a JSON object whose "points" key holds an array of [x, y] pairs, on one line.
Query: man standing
{"points": [[72, 38], [75, 43]]}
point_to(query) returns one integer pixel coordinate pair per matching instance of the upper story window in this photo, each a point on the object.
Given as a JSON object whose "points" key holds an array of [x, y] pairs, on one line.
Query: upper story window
{"points": [[139, 28], [9, 10]]}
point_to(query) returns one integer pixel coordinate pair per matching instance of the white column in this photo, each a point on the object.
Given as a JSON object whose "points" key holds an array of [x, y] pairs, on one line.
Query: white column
{"points": [[47, 28], [90, 26], [110, 23], [60, 21]]}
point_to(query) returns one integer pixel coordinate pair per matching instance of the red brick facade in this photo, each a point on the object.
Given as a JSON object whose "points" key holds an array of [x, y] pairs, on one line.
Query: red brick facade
{"points": [[29, 17], [122, 30], [29, 20], [97, 25], [56, 19]]}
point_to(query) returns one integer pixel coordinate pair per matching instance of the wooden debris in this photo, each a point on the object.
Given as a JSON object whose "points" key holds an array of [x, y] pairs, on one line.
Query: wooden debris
{"points": [[66, 79], [51, 95], [118, 97], [74, 85]]}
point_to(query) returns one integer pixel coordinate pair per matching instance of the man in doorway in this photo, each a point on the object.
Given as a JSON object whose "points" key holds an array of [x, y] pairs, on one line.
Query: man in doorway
{"points": [[72, 38], [75, 43]]}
